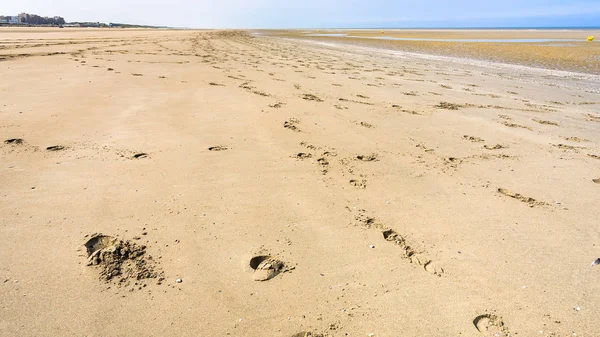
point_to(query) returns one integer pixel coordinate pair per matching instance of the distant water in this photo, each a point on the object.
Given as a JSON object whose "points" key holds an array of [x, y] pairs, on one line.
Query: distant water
{"points": [[469, 28], [451, 40]]}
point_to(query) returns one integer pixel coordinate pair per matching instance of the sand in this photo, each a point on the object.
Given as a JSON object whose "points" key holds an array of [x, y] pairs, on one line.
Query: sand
{"points": [[577, 55], [265, 186]]}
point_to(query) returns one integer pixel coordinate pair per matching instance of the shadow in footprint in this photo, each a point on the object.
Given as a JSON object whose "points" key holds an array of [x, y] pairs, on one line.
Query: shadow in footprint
{"points": [[140, 155]]}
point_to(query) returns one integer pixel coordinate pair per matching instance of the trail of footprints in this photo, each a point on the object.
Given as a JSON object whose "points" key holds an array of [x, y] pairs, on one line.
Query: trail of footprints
{"points": [[20, 144], [407, 250]]}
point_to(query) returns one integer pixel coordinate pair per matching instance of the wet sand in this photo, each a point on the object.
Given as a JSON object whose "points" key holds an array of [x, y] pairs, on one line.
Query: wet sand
{"points": [[267, 186], [577, 56]]}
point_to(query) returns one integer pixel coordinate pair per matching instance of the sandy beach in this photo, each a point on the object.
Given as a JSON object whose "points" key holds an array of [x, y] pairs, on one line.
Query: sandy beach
{"points": [[231, 183]]}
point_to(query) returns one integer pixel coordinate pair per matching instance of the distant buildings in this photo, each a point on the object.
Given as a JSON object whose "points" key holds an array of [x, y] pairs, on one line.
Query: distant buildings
{"points": [[31, 20]]}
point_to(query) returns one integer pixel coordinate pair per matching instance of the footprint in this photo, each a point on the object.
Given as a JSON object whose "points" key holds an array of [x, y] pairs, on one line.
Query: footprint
{"points": [[392, 236], [307, 334], [358, 184], [367, 157], [276, 105], [303, 155], [528, 200], [265, 267], [495, 147], [541, 121], [432, 268], [490, 325], [98, 242], [217, 148], [140, 155], [311, 97], [55, 148], [322, 161], [472, 139], [15, 141], [292, 124]]}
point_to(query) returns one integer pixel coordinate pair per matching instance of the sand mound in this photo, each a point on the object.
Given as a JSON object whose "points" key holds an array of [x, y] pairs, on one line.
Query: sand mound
{"points": [[121, 260]]}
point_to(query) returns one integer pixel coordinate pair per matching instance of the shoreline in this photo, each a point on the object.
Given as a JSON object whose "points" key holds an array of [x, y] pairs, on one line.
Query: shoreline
{"points": [[575, 56], [461, 60]]}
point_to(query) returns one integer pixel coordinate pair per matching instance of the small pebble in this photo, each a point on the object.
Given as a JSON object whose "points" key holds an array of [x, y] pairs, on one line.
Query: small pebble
{"points": [[596, 262], [371, 246], [179, 280]]}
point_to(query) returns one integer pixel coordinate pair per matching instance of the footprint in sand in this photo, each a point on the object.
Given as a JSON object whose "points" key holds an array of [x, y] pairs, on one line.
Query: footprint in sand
{"points": [[367, 157], [528, 200], [311, 97], [265, 267], [490, 325], [122, 260], [292, 124], [472, 139], [493, 147], [217, 148], [14, 141], [307, 334], [303, 155], [98, 242], [323, 161], [358, 183], [55, 148], [433, 268]]}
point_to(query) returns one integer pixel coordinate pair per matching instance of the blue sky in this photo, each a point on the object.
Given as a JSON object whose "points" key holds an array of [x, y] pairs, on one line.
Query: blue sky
{"points": [[319, 13]]}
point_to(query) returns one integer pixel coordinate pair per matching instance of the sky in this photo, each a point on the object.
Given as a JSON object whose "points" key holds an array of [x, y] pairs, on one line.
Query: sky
{"points": [[319, 13]]}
